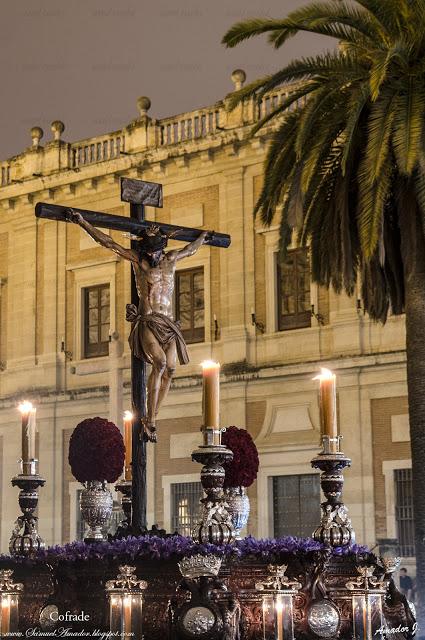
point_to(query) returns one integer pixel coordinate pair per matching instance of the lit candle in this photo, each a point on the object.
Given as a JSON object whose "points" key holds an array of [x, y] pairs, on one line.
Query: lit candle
{"points": [[211, 394], [279, 618], [128, 442], [328, 418], [28, 431], [127, 616], [5, 615]]}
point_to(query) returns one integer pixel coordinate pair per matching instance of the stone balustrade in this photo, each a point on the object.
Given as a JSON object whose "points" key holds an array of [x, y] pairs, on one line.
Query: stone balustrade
{"points": [[191, 125], [4, 174], [142, 134], [273, 99], [98, 149]]}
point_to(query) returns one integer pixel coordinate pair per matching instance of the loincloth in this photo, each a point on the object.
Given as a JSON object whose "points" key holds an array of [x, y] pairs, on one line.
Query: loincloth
{"points": [[163, 328]]}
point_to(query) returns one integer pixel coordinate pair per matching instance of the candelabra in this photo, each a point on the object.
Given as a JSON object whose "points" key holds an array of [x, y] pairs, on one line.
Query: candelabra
{"points": [[215, 523], [335, 528], [124, 528], [25, 539]]}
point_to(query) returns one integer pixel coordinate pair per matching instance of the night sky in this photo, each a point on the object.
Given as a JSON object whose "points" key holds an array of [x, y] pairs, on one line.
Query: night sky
{"points": [[87, 61]]}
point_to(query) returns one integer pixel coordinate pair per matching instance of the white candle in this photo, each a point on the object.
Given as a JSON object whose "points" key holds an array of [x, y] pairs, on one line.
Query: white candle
{"points": [[28, 431], [128, 442], [211, 393]]}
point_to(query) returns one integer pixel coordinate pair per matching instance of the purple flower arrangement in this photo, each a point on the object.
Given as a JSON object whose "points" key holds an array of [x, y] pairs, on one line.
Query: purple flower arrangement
{"points": [[176, 547]]}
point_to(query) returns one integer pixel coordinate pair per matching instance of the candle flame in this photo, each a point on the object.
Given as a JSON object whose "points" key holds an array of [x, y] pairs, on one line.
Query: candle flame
{"points": [[25, 407], [210, 364], [279, 605], [325, 374], [128, 415]]}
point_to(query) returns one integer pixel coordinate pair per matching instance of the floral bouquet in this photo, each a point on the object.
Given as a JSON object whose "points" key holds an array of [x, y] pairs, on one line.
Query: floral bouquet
{"points": [[96, 451], [243, 469]]}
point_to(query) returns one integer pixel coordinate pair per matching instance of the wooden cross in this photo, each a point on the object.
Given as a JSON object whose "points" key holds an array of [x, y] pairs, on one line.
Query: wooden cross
{"points": [[139, 194]]}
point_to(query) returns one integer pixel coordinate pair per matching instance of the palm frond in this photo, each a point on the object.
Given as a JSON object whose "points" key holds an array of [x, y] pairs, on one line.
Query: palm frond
{"points": [[347, 167], [386, 12], [380, 66], [380, 124], [356, 107], [316, 156], [419, 182], [249, 90], [321, 67], [338, 20], [409, 125], [285, 104], [374, 289], [320, 106], [393, 267], [250, 28], [373, 197], [279, 166]]}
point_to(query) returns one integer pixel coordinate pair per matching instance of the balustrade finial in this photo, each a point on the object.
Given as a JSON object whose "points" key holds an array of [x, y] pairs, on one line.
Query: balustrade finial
{"points": [[143, 104], [36, 135], [238, 78], [57, 128]]}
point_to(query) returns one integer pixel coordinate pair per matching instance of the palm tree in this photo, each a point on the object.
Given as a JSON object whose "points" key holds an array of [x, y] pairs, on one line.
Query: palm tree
{"points": [[346, 167]]}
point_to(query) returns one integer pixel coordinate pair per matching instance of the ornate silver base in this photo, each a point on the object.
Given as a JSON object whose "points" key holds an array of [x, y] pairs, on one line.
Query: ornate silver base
{"points": [[96, 508], [335, 529], [25, 540], [215, 525], [238, 507]]}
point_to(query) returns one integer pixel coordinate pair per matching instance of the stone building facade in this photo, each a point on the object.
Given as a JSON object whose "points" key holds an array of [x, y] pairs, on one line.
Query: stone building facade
{"points": [[266, 323]]}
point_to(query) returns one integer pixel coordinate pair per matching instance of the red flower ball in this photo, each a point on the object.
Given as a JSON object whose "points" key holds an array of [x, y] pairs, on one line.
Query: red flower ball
{"points": [[243, 469], [96, 451]]}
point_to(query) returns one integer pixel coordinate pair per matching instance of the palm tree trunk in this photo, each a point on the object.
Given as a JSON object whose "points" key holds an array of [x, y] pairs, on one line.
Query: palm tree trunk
{"points": [[414, 279]]}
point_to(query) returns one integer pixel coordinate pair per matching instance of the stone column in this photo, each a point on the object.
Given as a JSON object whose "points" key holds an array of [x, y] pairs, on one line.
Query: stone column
{"points": [[232, 276], [115, 380], [49, 345], [22, 298]]}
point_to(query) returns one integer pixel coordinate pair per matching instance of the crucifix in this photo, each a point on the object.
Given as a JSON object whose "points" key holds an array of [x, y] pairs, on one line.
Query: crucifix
{"points": [[155, 337]]}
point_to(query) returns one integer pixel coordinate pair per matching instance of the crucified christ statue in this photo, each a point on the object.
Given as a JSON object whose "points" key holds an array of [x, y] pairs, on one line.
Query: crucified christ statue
{"points": [[154, 337]]}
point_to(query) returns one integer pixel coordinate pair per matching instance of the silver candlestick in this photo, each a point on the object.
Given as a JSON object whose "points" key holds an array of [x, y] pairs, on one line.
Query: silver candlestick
{"points": [[215, 523], [335, 528], [25, 539]]}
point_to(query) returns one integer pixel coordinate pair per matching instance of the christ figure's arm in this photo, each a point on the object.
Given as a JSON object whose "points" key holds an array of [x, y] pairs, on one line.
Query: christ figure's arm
{"points": [[101, 238], [190, 249]]}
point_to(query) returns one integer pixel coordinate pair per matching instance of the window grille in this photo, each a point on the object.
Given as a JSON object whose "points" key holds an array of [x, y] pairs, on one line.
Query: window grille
{"points": [[404, 511], [185, 506], [296, 505]]}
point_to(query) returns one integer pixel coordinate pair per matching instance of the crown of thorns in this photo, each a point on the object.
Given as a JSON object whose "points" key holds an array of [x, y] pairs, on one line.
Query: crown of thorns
{"points": [[153, 236]]}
